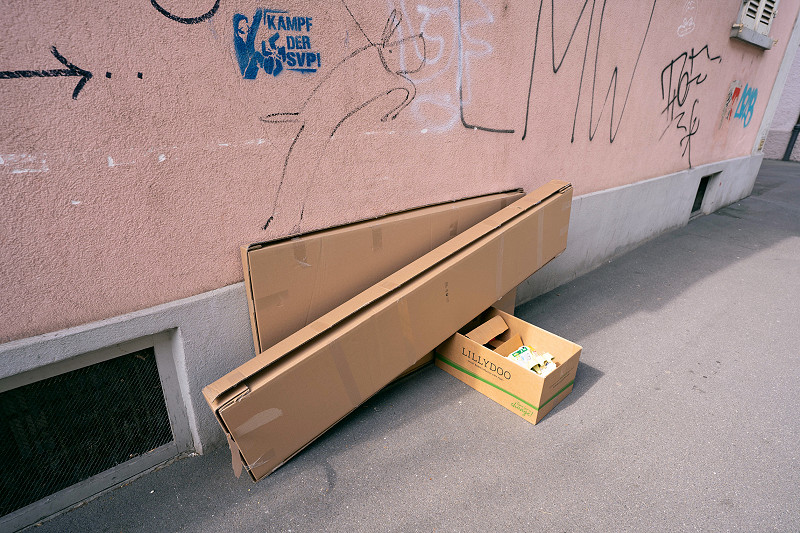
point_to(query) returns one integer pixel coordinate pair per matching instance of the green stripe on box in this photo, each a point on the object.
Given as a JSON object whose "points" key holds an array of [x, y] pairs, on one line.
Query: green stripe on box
{"points": [[464, 370]]}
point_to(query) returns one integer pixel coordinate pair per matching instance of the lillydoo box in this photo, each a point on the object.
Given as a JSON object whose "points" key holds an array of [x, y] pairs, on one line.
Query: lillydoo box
{"points": [[487, 369], [274, 405]]}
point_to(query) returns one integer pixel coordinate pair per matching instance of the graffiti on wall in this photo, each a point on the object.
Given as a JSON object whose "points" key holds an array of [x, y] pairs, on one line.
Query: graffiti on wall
{"points": [[454, 48], [70, 71], [688, 24], [445, 41], [472, 48], [385, 88], [742, 100], [381, 77], [187, 20], [678, 79], [595, 47], [731, 101], [287, 46]]}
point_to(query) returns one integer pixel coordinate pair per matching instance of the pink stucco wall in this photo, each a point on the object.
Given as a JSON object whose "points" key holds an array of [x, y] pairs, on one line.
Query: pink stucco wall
{"points": [[138, 187]]}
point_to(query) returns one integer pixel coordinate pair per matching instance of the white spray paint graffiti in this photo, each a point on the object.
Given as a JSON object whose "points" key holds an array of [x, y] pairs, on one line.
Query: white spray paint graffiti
{"points": [[24, 163], [689, 14], [450, 51]]}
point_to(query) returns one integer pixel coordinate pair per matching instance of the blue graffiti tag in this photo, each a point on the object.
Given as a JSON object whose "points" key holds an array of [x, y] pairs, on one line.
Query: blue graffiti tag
{"points": [[747, 103], [273, 57]]}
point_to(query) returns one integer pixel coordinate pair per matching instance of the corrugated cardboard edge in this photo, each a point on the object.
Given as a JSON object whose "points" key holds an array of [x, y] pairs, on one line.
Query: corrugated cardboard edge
{"points": [[295, 236], [236, 456], [231, 385], [249, 290]]}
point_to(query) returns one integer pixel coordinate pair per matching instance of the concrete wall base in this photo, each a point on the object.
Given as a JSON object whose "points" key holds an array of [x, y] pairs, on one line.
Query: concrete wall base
{"points": [[210, 335], [606, 224], [776, 144]]}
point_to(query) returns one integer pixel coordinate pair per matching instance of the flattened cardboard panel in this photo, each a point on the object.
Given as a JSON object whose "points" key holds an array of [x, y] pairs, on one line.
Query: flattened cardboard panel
{"points": [[553, 197], [275, 404], [506, 303], [293, 282]]}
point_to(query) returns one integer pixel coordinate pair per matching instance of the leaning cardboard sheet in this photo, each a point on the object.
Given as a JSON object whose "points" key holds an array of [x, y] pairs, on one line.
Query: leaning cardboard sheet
{"points": [[274, 405], [294, 281]]}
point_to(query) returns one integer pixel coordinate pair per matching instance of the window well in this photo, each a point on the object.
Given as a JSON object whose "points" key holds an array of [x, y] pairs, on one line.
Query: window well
{"points": [[81, 425], [67, 428], [701, 192]]}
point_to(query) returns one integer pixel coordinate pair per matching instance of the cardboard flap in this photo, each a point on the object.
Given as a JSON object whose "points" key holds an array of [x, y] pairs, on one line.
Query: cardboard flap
{"points": [[488, 330], [511, 345], [236, 457]]}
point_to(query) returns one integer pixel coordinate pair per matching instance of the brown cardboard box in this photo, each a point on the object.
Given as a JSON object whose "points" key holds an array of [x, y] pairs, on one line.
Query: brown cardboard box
{"points": [[489, 372], [274, 405], [292, 282]]}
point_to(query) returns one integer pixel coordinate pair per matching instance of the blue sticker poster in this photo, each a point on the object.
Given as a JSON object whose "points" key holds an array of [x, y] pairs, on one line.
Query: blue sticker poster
{"points": [[274, 41]]}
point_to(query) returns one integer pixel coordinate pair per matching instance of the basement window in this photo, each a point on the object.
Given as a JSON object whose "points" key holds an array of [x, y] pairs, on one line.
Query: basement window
{"points": [[754, 21], [75, 428], [697, 207]]}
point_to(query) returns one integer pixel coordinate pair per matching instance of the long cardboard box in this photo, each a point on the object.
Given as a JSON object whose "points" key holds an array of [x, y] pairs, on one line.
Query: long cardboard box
{"points": [[292, 282], [489, 372], [277, 403]]}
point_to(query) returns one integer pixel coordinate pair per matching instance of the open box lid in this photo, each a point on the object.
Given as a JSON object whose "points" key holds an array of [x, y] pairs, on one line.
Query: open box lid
{"points": [[488, 330]]}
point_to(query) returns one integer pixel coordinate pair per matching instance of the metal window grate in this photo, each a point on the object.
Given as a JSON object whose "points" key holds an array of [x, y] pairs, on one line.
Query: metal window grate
{"points": [[62, 430]]}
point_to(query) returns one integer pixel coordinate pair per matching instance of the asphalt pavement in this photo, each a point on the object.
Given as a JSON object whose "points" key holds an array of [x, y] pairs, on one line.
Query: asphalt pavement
{"points": [[685, 415]]}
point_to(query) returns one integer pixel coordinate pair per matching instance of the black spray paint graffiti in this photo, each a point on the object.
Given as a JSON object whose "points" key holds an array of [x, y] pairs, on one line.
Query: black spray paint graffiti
{"points": [[71, 70], [612, 85], [593, 52], [187, 20], [468, 125], [588, 26], [324, 111], [86, 75], [677, 79]]}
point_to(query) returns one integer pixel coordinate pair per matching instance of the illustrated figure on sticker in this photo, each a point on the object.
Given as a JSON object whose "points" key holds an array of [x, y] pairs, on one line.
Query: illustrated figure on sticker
{"points": [[284, 45], [377, 82], [251, 60]]}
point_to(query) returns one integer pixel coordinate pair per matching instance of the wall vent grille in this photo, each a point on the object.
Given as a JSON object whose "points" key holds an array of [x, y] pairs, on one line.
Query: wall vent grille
{"points": [[65, 429]]}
